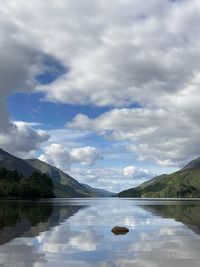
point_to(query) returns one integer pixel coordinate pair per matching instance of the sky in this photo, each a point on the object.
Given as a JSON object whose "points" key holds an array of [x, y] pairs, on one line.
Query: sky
{"points": [[107, 91]]}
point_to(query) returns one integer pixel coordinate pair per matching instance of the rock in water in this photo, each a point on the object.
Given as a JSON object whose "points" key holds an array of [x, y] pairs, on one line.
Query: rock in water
{"points": [[120, 230]]}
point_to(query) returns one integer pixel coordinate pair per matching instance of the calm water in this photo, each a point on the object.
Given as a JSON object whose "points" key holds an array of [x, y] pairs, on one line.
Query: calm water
{"points": [[77, 232]]}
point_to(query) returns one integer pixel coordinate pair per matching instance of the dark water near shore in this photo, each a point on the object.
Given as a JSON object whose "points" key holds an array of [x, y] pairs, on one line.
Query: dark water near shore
{"points": [[77, 232]]}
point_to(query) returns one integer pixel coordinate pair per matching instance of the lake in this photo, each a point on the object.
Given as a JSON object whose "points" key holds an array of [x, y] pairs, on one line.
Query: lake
{"points": [[77, 232]]}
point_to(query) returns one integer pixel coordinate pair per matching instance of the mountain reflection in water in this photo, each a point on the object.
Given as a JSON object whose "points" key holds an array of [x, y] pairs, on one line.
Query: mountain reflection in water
{"points": [[28, 219], [187, 212], [76, 232]]}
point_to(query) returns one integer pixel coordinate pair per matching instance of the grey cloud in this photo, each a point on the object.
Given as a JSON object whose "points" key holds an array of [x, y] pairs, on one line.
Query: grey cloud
{"points": [[20, 62], [23, 140]]}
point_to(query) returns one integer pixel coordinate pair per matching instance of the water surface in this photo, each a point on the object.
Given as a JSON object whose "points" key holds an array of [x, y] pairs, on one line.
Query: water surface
{"points": [[77, 232]]}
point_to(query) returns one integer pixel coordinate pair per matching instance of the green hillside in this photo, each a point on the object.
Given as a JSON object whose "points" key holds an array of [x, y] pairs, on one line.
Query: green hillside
{"points": [[184, 183]]}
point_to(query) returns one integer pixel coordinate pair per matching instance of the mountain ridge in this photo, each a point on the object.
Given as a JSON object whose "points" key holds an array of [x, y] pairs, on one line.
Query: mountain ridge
{"points": [[13, 163], [193, 164]]}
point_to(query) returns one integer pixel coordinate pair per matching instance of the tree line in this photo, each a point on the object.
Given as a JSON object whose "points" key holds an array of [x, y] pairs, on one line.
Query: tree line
{"points": [[15, 185]]}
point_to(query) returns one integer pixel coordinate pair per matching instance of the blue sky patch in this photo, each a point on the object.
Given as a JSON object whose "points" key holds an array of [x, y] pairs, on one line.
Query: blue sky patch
{"points": [[31, 108], [52, 70]]}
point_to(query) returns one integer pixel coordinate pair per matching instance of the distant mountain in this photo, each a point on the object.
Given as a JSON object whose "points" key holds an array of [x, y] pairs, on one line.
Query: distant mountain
{"points": [[183, 183], [102, 192], [64, 185]]}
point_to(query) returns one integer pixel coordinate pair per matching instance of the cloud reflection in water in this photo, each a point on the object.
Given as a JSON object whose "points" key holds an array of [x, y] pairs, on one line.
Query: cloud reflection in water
{"points": [[77, 233]]}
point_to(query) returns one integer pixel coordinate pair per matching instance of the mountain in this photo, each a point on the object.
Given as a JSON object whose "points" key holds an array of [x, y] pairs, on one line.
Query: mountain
{"points": [[153, 181], [102, 192], [64, 185], [194, 164], [13, 163], [183, 183]]}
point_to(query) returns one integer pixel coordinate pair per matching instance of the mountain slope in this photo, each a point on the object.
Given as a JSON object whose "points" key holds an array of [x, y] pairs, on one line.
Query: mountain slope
{"points": [[65, 185], [13, 163], [194, 164], [153, 181], [183, 183]]}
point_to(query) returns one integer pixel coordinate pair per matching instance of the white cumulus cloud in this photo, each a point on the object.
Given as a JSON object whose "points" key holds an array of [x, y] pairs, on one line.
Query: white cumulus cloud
{"points": [[129, 170], [63, 158], [86, 155], [152, 134]]}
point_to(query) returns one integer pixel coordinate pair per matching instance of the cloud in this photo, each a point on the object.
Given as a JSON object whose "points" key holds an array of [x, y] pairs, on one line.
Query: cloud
{"points": [[23, 140], [131, 59], [57, 155], [134, 52], [116, 54], [63, 158], [152, 134], [16, 70], [86, 155], [20, 62], [113, 179], [129, 170]]}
